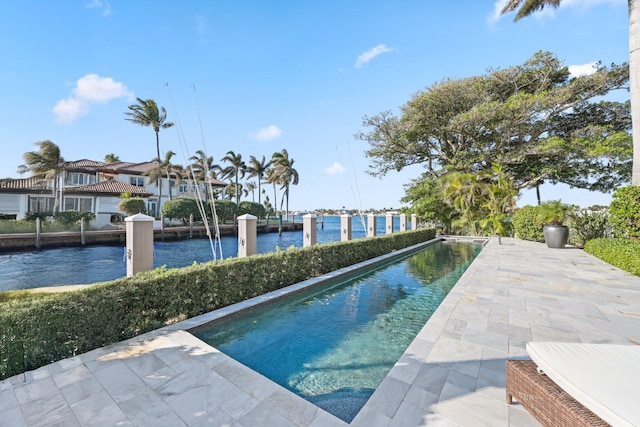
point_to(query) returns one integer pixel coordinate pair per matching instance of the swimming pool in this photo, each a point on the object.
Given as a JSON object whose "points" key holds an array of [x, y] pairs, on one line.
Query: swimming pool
{"points": [[334, 345]]}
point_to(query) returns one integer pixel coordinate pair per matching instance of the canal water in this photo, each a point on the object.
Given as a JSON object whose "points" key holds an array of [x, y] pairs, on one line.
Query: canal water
{"points": [[92, 264]]}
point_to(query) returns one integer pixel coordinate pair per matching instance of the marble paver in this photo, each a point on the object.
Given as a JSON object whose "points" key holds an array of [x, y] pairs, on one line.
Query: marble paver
{"points": [[453, 374]]}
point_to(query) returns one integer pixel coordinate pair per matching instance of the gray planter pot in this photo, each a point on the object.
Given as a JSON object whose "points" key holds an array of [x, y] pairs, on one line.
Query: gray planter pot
{"points": [[556, 236]]}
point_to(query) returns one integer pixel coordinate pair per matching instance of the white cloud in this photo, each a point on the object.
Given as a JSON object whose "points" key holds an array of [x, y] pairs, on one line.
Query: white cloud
{"points": [[372, 53], [335, 169], [268, 133], [105, 6], [201, 24], [89, 89], [583, 70]]}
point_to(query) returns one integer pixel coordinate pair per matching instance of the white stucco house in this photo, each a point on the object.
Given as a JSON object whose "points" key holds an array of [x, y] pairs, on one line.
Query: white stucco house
{"points": [[93, 186]]}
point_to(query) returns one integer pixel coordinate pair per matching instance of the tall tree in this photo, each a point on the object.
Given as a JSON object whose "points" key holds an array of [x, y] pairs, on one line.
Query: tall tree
{"points": [[236, 170], [147, 113], [533, 119], [287, 175], [47, 163], [527, 7], [274, 179], [201, 167], [251, 188], [258, 168], [164, 168], [111, 158]]}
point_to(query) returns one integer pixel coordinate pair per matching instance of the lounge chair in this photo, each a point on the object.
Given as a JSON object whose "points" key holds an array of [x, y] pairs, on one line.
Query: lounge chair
{"points": [[570, 384]]}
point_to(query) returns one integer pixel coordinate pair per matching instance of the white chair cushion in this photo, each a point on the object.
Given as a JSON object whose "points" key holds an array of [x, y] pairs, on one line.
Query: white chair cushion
{"points": [[603, 377]]}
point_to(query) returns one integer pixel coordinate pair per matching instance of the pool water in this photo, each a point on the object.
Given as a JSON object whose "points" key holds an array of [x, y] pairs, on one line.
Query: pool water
{"points": [[334, 346]]}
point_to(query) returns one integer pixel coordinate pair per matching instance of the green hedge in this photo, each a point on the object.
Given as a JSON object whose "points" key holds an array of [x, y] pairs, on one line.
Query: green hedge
{"points": [[525, 224], [38, 331], [622, 253]]}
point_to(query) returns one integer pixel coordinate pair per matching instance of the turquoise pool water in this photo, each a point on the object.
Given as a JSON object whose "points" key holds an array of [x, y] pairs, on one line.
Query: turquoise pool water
{"points": [[333, 346]]}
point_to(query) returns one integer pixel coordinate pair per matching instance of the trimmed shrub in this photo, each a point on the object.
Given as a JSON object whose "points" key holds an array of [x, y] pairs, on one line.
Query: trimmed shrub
{"points": [[585, 226], [72, 217], [252, 208], [181, 208], [225, 209], [32, 216], [622, 253], [6, 217], [624, 212], [525, 224], [38, 331], [132, 205]]}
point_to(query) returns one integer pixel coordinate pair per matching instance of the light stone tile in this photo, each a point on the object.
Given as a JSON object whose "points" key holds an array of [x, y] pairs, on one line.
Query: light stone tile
{"points": [[97, 410], [409, 415], [12, 417], [292, 407], [325, 419], [388, 396], [147, 409], [7, 400], [120, 382], [421, 398], [47, 411], [369, 416], [71, 375], [263, 415], [81, 390], [474, 409], [36, 390], [519, 417]]}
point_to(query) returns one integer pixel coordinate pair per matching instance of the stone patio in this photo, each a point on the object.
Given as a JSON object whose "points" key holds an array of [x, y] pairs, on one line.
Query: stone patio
{"points": [[452, 374]]}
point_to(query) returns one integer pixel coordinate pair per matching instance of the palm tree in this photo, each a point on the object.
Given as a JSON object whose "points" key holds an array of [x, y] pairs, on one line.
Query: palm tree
{"points": [[164, 168], [258, 168], [527, 7], [47, 164], [201, 167], [287, 174], [274, 179], [251, 187], [111, 158], [236, 169], [147, 113]]}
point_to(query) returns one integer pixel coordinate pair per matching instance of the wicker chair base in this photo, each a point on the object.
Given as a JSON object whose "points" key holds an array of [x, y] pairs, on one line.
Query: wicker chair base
{"points": [[544, 399]]}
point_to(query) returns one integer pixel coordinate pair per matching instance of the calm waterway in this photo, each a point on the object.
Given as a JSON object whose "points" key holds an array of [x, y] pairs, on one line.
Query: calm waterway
{"points": [[92, 264]]}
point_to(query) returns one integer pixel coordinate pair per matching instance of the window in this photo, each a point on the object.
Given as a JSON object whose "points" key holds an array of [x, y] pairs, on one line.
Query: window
{"points": [[80, 204], [138, 181], [41, 204], [75, 178], [183, 187]]}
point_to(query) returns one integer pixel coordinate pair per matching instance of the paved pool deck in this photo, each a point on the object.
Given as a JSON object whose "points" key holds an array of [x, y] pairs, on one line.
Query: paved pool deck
{"points": [[452, 374]]}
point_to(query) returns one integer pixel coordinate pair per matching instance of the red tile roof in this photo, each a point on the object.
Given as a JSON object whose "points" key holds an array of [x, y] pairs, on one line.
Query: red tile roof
{"points": [[24, 184], [110, 187], [84, 164]]}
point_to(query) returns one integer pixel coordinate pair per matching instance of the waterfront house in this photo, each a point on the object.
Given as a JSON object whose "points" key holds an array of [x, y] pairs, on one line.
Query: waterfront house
{"points": [[94, 186]]}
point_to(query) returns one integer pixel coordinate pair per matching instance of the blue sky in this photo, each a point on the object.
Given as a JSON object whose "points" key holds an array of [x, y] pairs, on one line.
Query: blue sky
{"points": [[294, 74]]}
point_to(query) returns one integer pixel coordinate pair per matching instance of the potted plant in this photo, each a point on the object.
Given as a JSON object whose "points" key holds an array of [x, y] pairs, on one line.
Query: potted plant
{"points": [[551, 215]]}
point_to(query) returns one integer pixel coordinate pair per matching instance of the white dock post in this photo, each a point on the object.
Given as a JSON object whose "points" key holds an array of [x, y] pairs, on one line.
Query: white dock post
{"points": [[139, 228], [38, 231], [371, 225], [414, 222], [247, 235], [309, 230], [403, 222], [389, 224], [345, 227], [82, 237]]}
